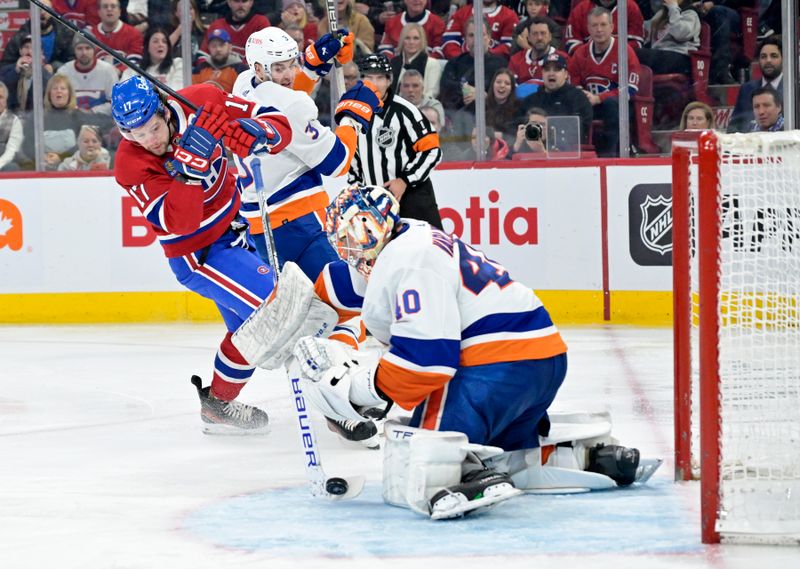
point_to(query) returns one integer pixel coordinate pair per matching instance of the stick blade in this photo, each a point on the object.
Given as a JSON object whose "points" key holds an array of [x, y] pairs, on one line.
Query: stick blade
{"points": [[355, 485]]}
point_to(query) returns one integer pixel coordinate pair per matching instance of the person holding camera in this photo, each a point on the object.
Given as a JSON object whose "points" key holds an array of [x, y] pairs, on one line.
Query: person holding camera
{"points": [[560, 98], [531, 135]]}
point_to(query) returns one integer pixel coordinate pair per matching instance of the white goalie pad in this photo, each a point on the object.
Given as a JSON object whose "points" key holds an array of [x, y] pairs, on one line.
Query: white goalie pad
{"points": [[418, 463], [267, 337], [561, 475]]}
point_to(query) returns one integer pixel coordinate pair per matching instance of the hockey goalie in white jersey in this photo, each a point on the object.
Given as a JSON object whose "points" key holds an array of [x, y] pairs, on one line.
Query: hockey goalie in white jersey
{"points": [[473, 353]]}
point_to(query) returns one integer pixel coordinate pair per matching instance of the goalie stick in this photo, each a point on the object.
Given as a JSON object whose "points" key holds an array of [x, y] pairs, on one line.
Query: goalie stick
{"points": [[334, 488]]}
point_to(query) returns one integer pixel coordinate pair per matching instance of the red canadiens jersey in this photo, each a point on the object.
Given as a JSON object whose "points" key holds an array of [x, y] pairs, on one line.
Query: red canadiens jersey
{"points": [[82, 13], [527, 69], [238, 32], [188, 217], [502, 21], [600, 75], [578, 25], [124, 39], [430, 22]]}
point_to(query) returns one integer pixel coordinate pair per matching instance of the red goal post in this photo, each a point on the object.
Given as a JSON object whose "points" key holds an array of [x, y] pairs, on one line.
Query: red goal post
{"points": [[736, 284]]}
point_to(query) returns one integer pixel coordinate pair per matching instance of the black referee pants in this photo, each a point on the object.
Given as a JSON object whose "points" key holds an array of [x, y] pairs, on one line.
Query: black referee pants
{"points": [[419, 202]]}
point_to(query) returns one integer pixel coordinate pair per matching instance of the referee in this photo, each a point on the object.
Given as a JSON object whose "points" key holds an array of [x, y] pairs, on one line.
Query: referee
{"points": [[400, 150]]}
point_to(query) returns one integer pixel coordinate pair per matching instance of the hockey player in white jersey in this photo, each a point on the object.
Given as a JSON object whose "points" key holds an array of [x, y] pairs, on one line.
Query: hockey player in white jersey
{"points": [[473, 353], [295, 198]]}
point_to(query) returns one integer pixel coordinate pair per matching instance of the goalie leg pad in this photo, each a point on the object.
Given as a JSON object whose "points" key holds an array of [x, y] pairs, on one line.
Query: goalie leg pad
{"points": [[267, 337]]}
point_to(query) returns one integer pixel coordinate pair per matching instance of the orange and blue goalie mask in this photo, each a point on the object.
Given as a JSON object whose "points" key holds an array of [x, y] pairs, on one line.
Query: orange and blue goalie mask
{"points": [[359, 223]]}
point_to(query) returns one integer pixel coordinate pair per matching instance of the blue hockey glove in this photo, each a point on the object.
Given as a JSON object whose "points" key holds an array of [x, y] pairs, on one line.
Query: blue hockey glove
{"points": [[319, 56], [359, 103], [192, 157]]}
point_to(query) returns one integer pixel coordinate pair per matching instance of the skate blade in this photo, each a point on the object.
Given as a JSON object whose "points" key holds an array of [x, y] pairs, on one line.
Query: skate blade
{"points": [[646, 469], [463, 508], [229, 431]]}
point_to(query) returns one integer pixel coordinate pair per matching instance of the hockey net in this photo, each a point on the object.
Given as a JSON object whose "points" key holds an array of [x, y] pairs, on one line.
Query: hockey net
{"points": [[736, 259]]}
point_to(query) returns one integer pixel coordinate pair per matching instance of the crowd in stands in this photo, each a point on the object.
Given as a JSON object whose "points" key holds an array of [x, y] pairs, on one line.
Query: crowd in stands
{"points": [[542, 58]]}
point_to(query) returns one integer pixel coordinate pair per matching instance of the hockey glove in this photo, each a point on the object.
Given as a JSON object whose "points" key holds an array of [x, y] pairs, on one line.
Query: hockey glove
{"points": [[318, 57], [348, 40], [192, 157], [248, 136], [359, 103]]}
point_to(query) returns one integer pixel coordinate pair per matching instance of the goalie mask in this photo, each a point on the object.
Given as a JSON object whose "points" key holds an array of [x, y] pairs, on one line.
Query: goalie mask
{"points": [[359, 224]]}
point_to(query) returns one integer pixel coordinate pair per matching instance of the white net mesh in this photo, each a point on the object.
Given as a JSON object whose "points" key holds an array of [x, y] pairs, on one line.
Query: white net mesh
{"points": [[759, 338]]}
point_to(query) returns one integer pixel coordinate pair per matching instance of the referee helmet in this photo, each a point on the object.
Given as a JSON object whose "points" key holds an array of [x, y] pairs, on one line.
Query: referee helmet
{"points": [[374, 63]]}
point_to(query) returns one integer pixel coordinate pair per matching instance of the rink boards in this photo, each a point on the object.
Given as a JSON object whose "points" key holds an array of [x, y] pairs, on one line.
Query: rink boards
{"points": [[593, 238]]}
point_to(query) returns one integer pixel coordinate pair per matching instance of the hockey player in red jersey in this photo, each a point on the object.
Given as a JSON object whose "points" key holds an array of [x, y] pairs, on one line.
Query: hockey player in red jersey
{"points": [[594, 67], [578, 29], [502, 21], [173, 162]]}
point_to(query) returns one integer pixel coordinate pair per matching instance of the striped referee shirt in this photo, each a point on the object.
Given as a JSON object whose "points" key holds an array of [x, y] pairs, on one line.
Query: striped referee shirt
{"points": [[401, 143]]}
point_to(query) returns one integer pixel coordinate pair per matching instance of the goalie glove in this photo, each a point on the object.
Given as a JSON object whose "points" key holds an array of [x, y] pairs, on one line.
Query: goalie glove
{"points": [[359, 104], [193, 156], [337, 379]]}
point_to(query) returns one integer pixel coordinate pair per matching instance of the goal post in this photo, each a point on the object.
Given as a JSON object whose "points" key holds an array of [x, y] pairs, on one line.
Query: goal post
{"points": [[736, 284]]}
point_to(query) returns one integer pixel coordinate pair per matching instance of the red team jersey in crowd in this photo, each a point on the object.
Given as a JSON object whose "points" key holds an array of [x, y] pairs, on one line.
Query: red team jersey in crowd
{"points": [[502, 21], [527, 69], [238, 32], [123, 38], [430, 22], [182, 221], [82, 13], [600, 75], [578, 24]]}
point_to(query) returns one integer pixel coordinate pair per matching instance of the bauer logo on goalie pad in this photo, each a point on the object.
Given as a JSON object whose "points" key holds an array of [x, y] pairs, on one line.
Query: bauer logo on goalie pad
{"points": [[650, 224]]}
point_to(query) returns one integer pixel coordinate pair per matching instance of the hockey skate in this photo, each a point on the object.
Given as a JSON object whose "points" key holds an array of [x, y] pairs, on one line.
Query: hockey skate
{"points": [[479, 489], [364, 432], [229, 417]]}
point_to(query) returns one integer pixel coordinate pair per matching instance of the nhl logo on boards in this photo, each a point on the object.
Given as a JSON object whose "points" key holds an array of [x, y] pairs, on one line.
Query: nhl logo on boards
{"points": [[650, 224], [385, 137]]}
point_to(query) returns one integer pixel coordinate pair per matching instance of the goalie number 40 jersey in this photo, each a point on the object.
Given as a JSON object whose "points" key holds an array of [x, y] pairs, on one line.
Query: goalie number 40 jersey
{"points": [[440, 304]]}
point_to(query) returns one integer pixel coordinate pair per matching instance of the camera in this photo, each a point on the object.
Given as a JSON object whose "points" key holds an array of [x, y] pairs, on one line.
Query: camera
{"points": [[533, 131]]}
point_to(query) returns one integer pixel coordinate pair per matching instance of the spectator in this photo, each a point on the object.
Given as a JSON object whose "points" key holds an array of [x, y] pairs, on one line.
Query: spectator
{"points": [[674, 32], [416, 13], [770, 61], [351, 74], [502, 105], [525, 149], [92, 79], [558, 98], [354, 21], [594, 67], [502, 21], [767, 109], [240, 22], [458, 78], [494, 147], [412, 89], [297, 35], [10, 133], [294, 14], [18, 77], [434, 112], [61, 123], [90, 154], [414, 55], [82, 13], [534, 9], [56, 42], [697, 116], [527, 65], [158, 60], [723, 18], [117, 35], [198, 29], [222, 66], [378, 12], [578, 31]]}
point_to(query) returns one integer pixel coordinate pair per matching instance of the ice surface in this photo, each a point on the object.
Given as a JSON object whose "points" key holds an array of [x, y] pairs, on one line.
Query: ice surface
{"points": [[103, 466]]}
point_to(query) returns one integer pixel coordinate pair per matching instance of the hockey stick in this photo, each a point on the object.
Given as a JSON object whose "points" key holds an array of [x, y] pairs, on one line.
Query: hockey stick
{"points": [[115, 54], [335, 488], [338, 72]]}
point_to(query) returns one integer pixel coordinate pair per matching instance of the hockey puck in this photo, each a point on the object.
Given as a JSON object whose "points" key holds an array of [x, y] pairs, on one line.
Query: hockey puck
{"points": [[336, 486]]}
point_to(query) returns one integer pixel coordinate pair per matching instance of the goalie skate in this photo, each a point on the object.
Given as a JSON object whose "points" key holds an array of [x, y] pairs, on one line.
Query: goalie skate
{"points": [[478, 490], [229, 417], [364, 433]]}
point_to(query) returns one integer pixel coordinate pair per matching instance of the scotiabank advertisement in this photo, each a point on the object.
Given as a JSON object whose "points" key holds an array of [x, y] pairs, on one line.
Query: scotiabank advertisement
{"points": [[544, 224]]}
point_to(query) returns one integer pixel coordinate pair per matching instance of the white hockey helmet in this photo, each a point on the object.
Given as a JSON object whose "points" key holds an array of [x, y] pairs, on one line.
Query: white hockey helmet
{"points": [[269, 45]]}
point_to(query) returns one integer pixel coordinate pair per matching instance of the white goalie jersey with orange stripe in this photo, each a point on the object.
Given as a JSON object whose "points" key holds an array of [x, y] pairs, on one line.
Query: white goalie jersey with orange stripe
{"points": [[440, 304]]}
